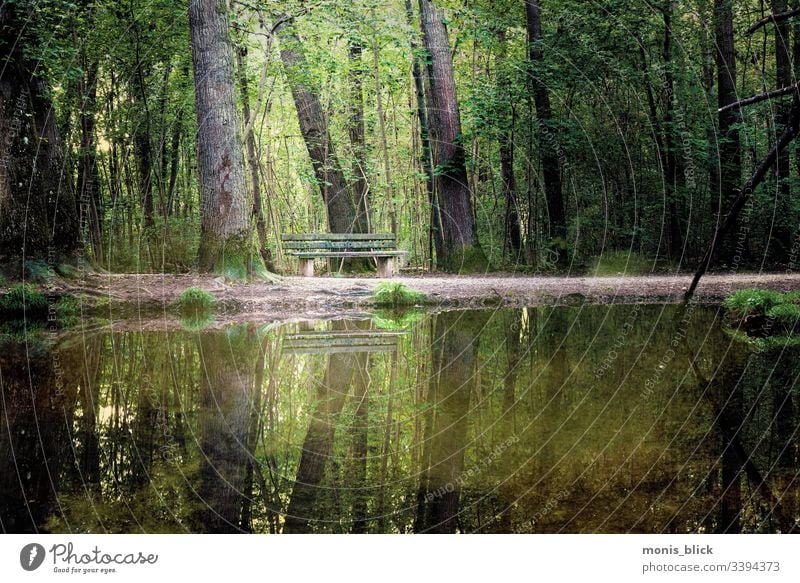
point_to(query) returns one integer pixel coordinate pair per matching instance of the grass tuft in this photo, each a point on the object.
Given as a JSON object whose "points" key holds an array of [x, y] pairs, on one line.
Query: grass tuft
{"points": [[396, 295], [23, 298], [750, 302], [195, 300]]}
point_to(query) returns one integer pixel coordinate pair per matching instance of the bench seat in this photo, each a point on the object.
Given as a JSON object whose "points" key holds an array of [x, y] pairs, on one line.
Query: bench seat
{"points": [[307, 247]]}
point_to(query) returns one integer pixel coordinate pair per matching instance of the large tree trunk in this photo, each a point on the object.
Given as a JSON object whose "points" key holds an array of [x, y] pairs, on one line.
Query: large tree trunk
{"points": [[730, 162], [548, 142], [513, 227], [783, 78], [357, 131], [424, 130], [343, 216], [253, 162], [88, 174], [675, 178], [226, 236], [38, 211], [460, 250]]}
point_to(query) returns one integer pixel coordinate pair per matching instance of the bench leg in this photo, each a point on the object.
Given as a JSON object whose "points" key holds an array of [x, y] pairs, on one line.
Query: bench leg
{"points": [[307, 267], [385, 266]]}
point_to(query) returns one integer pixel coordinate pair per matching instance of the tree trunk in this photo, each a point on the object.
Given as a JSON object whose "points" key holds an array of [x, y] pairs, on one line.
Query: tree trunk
{"points": [[783, 78], [252, 161], [425, 141], [513, 227], [89, 193], [38, 211], [460, 249], [343, 216], [357, 131], [730, 162], [548, 142], [675, 178], [225, 237]]}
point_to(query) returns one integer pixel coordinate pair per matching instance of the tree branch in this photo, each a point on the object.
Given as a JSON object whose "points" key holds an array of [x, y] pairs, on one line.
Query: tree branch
{"points": [[761, 97], [772, 18], [789, 134]]}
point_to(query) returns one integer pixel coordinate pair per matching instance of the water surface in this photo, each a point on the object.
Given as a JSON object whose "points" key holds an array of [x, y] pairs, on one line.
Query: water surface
{"points": [[550, 419]]}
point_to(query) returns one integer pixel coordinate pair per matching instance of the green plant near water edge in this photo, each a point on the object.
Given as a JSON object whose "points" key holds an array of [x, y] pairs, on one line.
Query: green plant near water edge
{"points": [[23, 298], [396, 294], [748, 302], [194, 299]]}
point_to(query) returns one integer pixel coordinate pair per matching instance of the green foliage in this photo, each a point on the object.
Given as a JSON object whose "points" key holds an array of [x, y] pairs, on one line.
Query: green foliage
{"points": [[787, 315], [195, 300], [765, 313], [23, 298], [621, 263], [748, 302], [396, 295]]}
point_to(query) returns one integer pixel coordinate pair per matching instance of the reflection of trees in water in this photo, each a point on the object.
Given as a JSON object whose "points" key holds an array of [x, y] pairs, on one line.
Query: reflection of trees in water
{"points": [[753, 402], [38, 389], [228, 360], [223, 431], [454, 349]]}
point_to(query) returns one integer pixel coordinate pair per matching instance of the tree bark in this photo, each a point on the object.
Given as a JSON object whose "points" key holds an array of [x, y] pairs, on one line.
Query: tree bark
{"points": [[225, 238], [513, 227], [424, 130], [460, 249], [357, 130], [252, 161], [675, 178], [730, 162], [548, 144], [783, 77], [38, 211], [343, 216], [88, 175]]}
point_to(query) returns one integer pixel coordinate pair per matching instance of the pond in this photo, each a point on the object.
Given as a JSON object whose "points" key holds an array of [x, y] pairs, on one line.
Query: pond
{"points": [[568, 419]]}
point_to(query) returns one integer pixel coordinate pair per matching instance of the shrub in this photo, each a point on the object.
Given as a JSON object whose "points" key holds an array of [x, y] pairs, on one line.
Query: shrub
{"points": [[195, 300], [748, 302], [787, 315], [396, 294], [23, 298]]}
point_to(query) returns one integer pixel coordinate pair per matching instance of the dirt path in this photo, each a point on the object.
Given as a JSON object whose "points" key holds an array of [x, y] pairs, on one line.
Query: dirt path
{"points": [[296, 296]]}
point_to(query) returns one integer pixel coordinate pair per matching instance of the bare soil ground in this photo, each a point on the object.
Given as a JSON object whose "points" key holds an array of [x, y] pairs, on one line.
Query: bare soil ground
{"points": [[297, 297]]}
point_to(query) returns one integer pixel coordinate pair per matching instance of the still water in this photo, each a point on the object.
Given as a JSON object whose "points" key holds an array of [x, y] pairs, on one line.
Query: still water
{"points": [[620, 418]]}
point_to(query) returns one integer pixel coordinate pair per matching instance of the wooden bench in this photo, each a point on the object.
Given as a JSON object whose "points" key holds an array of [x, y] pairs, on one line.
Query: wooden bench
{"points": [[341, 341], [307, 247]]}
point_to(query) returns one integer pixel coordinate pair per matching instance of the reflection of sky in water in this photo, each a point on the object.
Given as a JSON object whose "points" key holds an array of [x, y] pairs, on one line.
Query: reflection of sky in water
{"points": [[532, 420]]}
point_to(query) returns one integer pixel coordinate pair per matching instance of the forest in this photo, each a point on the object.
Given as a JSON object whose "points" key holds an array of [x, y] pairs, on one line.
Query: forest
{"points": [[511, 204], [548, 136]]}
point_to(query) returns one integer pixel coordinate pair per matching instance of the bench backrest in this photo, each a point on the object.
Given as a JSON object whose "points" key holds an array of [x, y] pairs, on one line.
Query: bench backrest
{"points": [[339, 241]]}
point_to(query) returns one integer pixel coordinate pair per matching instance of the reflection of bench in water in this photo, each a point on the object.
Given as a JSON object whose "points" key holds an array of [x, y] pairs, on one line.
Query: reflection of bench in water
{"points": [[337, 341]]}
